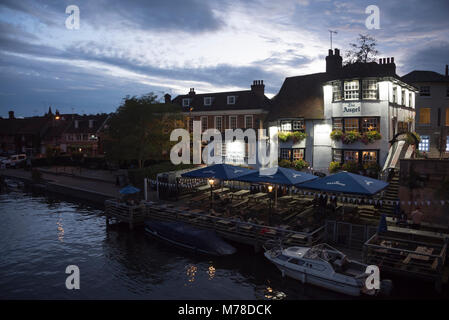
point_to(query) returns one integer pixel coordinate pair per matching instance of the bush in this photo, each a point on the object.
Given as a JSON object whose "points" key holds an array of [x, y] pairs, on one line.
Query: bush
{"points": [[285, 163], [334, 167], [351, 166], [300, 164], [336, 135]]}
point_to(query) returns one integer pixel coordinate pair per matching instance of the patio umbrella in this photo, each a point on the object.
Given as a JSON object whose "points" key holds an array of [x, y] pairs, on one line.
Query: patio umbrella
{"points": [[129, 189], [218, 171], [346, 182]]}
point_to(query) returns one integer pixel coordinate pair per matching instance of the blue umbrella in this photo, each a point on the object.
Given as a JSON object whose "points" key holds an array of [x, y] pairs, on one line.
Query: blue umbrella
{"points": [[218, 171], [129, 189], [282, 176], [346, 182]]}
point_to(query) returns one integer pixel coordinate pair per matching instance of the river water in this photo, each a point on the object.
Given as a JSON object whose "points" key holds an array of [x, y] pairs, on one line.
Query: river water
{"points": [[41, 236]]}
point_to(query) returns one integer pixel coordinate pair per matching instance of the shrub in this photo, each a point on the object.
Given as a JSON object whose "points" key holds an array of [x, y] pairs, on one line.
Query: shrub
{"points": [[285, 163], [336, 135], [300, 164], [351, 166], [334, 167]]}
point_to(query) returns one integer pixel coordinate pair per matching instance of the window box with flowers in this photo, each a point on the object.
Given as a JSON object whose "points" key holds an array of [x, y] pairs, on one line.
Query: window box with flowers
{"points": [[296, 136], [351, 137], [336, 135], [370, 136]]}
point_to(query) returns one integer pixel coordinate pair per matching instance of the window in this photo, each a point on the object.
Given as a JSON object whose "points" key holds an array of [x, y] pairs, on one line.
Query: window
{"points": [[285, 153], [424, 91], [207, 101], [185, 102], [337, 155], [403, 97], [424, 144], [336, 91], [298, 125], [231, 99], [337, 124], [447, 144], [233, 122], [248, 122], [204, 124], [447, 116], [286, 126], [296, 261], [298, 154], [351, 156], [424, 116], [351, 124], [369, 157], [410, 100], [352, 90], [370, 124], [395, 94], [369, 89], [219, 123]]}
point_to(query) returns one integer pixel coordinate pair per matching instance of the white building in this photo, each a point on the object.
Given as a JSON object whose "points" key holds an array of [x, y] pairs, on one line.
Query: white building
{"points": [[361, 97]]}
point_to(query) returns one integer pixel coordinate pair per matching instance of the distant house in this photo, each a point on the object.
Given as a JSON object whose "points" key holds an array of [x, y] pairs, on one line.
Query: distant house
{"points": [[356, 98], [432, 107], [227, 110]]}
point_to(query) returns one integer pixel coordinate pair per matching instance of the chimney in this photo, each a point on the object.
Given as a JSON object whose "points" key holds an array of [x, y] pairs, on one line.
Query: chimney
{"points": [[167, 98], [11, 115], [333, 62], [447, 70], [192, 91], [258, 87]]}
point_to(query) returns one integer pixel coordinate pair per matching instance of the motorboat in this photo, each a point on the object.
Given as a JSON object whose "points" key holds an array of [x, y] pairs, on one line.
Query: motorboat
{"points": [[189, 237], [324, 266]]}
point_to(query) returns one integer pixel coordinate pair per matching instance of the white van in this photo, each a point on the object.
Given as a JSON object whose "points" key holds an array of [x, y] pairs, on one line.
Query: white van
{"points": [[14, 160]]}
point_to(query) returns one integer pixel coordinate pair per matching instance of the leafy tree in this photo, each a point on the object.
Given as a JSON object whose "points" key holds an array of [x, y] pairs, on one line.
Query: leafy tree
{"points": [[140, 129], [362, 51]]}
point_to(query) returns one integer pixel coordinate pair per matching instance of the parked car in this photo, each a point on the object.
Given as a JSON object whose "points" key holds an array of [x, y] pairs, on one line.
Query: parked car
{"points": [[14, 161]]}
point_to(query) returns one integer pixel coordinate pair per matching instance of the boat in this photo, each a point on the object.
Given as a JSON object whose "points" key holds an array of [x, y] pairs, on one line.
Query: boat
{"points": [[324, 266], [189, 237]]}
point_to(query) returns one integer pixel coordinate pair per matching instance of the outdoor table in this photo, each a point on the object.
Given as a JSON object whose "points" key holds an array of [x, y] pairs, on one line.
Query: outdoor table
{"points": [[221, 190], [202, 188], [259, 195], [285, 198], [420, 249], [240, 193]]}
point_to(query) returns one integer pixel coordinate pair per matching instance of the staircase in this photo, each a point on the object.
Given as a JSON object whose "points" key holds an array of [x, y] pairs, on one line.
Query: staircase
{"points": [[391, 194]]}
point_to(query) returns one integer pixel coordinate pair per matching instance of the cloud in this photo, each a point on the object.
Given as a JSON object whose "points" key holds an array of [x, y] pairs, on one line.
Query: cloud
{"points": [[432, 57]]}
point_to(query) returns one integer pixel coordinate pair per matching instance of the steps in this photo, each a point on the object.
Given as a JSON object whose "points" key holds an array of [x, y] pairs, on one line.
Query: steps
{"points": [[391, 194]]}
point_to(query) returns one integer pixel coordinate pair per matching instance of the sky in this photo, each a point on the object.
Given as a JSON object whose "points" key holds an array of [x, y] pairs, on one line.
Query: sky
{"points": [[134, 47]]}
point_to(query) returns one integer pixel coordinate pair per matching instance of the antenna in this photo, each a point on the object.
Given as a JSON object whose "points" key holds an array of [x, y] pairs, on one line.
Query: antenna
{"points": [[330, 33]]}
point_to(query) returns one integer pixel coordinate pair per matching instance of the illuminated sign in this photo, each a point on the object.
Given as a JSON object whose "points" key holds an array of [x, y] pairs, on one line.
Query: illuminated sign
{"points": [[352, 109]]}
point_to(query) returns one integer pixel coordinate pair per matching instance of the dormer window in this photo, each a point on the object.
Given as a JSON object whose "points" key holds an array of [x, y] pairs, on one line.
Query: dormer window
{"points": [[186, 102], [231, 99], [207, 101]]}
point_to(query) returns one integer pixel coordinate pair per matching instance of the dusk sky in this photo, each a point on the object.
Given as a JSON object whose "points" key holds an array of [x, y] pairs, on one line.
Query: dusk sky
{"points": [[138, 46]]}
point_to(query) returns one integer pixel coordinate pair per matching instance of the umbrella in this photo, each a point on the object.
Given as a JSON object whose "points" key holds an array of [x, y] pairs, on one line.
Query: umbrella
{"points": [[129, 189], [282, 176], [346, 182], [218, 171]]}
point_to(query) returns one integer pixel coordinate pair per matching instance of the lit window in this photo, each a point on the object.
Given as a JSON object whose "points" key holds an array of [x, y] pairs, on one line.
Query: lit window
{"points": [[185, 102], [351, 124], [447, 116], [352, 90], [336, 91], [369, 89], [248, 122], [351, 156], [286, 126], [370, 124], [219, 123], [231, 99], [298, 154], [338, 124], [424, 116], [207, 101], [233, 122], [424, 144], [285, 153], [369, 157], [298, 125], [204, 124], [424, 91]]}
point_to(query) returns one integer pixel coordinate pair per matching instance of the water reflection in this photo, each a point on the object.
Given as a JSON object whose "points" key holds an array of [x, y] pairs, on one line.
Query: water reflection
{"points": [[211, 272], [191, 272], [60, 229]]}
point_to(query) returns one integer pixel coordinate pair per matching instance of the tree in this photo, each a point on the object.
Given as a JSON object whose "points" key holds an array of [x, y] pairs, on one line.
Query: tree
{"points": [[140, 129], [362, 51]]}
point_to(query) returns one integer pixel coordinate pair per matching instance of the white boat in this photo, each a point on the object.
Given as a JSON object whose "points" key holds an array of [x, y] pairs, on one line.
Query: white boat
{"points": [[324, 266]]}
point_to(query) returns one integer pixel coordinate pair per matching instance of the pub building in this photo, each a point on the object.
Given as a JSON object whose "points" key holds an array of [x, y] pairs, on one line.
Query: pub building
{"points": [[348, 113]]}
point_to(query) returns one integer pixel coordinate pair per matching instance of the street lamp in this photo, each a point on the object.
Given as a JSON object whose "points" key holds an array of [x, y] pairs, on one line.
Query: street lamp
{"points": [[211, 182], [270, 196]]}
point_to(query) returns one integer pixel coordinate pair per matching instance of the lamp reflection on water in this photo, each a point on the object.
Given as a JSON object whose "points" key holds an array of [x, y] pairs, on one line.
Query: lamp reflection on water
{"points": [[60, 230], [211, 272], [191, 272]]}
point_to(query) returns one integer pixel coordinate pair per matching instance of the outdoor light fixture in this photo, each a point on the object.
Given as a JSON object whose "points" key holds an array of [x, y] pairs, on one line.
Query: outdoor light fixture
{"points": [[270, 188], [57, 117], [211, 182]]}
